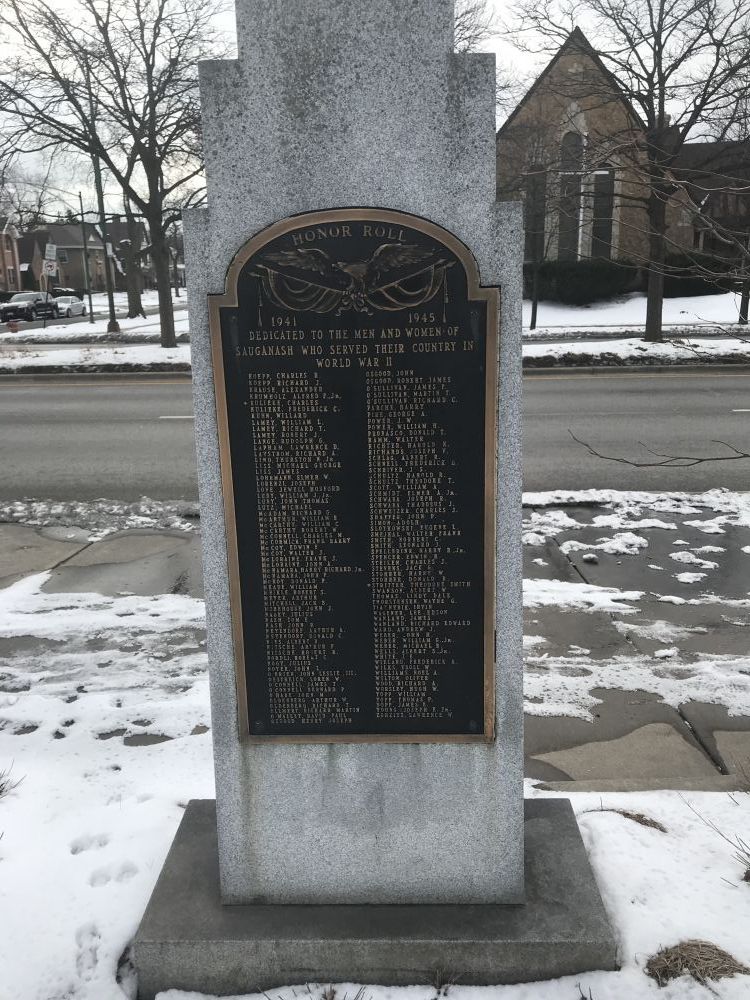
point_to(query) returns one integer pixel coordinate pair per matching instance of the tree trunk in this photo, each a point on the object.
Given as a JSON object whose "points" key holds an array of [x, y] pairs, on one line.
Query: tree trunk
{"points": [[745, 301], [133, 275], [160, 253], [534, 294], [657, 224]]}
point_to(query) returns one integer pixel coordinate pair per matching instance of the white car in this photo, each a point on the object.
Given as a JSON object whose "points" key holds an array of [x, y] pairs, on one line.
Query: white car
{"points": [[69, 305]]}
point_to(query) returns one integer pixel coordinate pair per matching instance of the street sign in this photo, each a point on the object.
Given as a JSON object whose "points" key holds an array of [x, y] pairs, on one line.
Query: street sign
{"points": [[50, 252], [50, 268]]}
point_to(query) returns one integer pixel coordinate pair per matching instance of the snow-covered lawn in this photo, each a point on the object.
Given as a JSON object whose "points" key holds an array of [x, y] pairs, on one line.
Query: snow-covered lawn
{"points": [[138, 329], [636, 352], [87, 829], [97, 358], [630, 311], [605, 352]]}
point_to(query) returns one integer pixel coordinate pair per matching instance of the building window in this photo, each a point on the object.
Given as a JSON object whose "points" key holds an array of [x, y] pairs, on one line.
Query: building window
{"points": [[571, 168], [535, 213], [604, 198], [11, 277], [62, 256]]}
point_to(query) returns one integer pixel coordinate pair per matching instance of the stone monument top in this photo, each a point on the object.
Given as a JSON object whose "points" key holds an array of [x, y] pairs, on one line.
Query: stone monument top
{"points": [[337, 103]]}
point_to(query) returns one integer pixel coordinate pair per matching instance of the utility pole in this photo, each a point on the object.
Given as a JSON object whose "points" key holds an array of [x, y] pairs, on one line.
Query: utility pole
{"points": [[86, 260], [112, 326]]}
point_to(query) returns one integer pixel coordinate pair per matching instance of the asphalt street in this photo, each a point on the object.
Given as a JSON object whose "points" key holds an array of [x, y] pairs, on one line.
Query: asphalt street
{"points": [[82, 439]]}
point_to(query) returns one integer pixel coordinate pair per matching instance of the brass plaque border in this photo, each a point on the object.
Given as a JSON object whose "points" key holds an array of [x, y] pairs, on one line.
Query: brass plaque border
{"points": [[477, 292]]}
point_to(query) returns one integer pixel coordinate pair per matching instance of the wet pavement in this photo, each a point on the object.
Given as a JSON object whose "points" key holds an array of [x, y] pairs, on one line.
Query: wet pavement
{"points": [[635, 679]]}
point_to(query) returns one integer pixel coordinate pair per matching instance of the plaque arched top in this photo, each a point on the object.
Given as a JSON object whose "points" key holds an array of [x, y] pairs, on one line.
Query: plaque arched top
{"points": [[304, 233]]}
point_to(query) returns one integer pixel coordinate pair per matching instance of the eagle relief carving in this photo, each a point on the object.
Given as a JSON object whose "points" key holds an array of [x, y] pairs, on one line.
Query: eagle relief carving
{"points": [[397, 276]]}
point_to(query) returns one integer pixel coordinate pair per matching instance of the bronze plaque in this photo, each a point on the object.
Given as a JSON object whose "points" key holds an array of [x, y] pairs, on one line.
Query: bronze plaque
{"points": [[355, 360]]}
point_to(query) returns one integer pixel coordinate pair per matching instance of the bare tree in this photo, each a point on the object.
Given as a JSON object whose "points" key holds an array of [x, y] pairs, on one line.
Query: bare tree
{"points": [[473, 24], [662, 460], [681, 64], [115, 80], [28, 193]]}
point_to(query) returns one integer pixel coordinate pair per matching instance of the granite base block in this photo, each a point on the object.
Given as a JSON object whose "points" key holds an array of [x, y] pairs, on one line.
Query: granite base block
{"points": [[188, 940]]}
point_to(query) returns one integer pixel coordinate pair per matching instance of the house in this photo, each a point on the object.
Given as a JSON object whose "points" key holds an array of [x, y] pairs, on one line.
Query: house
{"points": [[123, 240], [68, 242], [716, 175], [573, 151], [10, 265]]}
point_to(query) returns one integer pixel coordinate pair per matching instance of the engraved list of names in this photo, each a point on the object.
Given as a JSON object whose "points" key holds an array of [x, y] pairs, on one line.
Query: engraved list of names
{"points": [[354, 358]]}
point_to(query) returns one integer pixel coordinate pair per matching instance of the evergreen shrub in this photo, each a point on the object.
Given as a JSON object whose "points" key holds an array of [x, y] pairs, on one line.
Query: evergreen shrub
{"points": [[580, 282]]}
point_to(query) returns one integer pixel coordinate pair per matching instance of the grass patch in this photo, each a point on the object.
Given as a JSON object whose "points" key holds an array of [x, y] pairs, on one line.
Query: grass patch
{"points": [[636, 817], [700, 959], [7, 784]]}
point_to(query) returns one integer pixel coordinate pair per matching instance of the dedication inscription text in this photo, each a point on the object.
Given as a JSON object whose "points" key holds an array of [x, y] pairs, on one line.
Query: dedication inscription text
{"points": [[354, 354]]}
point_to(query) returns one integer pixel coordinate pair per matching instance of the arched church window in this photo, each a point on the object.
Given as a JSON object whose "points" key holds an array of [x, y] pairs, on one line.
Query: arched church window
{"points": [[535, 212], [604, 196], [569, 216]]}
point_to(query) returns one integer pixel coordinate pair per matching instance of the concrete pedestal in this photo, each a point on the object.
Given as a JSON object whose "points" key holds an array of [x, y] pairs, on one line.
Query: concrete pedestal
{"points": [[188, 940]]}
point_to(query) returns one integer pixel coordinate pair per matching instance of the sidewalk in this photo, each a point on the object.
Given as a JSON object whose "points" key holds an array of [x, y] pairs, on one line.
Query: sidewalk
{"points": [[637, 677], [637, 625]]}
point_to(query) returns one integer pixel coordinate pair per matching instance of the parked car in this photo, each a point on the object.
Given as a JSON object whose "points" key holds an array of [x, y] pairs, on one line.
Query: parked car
{"points": [[30, 306], [70, 305]]}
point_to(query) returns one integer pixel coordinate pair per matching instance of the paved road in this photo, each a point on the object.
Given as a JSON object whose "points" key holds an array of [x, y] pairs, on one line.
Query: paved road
{"points": [[119, 439], [678, 413]]}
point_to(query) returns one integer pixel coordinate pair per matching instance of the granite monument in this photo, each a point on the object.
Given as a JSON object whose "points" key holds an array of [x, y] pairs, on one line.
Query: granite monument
{"points": [[355, 294]]}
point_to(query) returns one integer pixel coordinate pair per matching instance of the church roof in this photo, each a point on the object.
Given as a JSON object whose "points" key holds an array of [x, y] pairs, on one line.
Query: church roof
{"points": [[575, 40]]}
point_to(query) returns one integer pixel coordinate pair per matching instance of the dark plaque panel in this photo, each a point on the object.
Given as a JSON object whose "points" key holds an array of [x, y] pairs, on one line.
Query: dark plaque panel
{"points": [[354, 361]]}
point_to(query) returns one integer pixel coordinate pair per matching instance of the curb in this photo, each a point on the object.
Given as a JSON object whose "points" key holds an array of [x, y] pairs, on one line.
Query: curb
{"points": [[535, 366], [31, 375], [620, 371]]}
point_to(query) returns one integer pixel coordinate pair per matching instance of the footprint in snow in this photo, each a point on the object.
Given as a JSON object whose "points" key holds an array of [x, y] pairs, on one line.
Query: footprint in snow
{"points": [[87, 940], [103, 876], [89, 842]]}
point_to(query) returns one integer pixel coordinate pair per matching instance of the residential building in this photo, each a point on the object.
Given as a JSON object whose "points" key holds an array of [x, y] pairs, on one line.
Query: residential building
{"points": [[10, 265], [122, 239], [68, 242]]}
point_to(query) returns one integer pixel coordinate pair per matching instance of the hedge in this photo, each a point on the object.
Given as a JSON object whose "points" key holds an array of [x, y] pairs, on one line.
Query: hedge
{"points": [[580, 282]]}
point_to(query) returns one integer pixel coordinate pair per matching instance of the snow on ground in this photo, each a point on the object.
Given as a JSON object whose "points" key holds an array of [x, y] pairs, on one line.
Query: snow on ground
{"points": [[104, 712], [137, 329], [630, 311], [685, 350], [86, 831], [583, 352], [624, 525], [97, 358], [626, 508], [581, 596], [99, 518]]}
